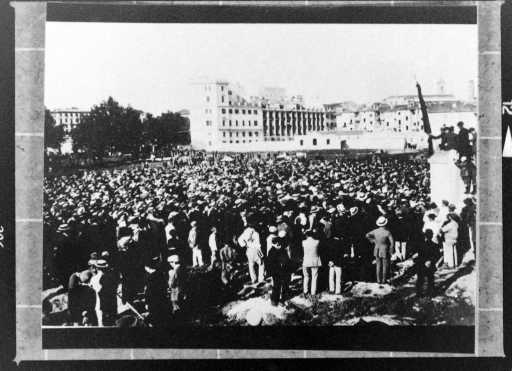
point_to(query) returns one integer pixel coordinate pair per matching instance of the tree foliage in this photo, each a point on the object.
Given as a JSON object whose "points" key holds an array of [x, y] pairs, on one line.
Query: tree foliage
{"points": [[168, 128], [111, 128]]}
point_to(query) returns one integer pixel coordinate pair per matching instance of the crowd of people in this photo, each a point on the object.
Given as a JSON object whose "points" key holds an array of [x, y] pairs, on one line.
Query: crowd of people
{"points": [[111, 235]]}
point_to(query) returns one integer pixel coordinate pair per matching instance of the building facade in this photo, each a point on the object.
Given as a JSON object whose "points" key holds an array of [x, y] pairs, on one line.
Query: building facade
{"points": [[68, 118], [223, 120]]}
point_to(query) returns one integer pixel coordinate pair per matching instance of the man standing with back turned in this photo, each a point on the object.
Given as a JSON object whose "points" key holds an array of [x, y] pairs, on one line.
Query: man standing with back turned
{"points": [[383, 240]]}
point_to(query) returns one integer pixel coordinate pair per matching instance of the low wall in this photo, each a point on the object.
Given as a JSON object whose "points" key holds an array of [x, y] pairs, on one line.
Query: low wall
{"points": [[387, 141]]}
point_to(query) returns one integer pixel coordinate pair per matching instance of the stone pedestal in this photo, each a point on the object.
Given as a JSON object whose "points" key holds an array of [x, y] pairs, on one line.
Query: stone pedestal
{"points": [[445, 180]]}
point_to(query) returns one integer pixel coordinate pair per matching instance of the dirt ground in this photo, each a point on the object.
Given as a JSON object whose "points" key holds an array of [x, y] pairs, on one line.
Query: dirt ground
{"points": [[365, 302], [209, 303]]}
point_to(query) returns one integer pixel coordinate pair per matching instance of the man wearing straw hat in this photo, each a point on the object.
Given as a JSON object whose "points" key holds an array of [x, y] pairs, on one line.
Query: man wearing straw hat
{"points": [[383, 240]]}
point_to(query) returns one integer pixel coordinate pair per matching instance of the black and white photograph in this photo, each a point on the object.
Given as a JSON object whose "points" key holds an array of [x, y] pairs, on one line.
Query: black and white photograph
{"points": [[238, 174]]}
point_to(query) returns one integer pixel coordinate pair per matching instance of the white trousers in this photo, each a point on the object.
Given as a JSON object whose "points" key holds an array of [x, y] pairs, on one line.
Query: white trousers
{"points": [[335, 279], [310, 275], [401, 249], [450, 254], [252, 271], [197, 257]]}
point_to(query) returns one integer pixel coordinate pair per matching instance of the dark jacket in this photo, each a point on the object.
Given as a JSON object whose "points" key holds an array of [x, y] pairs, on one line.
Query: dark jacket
{"points": [[337, 248], [463, 145], [428, 251], [278, 261], [340, 225], [108, 292], [156, 290]]}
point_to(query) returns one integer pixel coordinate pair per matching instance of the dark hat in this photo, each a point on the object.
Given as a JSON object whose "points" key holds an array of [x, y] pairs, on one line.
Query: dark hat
{"points": [[125, 231], [154, 262]]}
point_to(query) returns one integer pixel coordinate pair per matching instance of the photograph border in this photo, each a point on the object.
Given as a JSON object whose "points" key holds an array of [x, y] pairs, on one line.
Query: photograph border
{"points": [[30, 21]]}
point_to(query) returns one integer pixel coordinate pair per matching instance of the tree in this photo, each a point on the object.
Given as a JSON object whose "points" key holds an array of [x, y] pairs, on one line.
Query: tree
{"points": [[166, 130], [53, 134], [109, 128]]}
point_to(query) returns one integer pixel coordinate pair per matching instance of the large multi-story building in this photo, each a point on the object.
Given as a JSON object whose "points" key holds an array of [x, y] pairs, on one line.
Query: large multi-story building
{"points": [[68, 118], [222, 119]]}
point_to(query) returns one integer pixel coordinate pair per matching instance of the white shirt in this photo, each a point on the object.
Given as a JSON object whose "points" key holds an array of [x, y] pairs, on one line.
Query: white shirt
{"points": [[168, 228], [443, 212], [212, 242], [249, 238], [95, 284]]}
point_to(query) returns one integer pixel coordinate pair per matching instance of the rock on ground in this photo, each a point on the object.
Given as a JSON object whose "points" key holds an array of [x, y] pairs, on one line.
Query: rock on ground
{"points": [[371, 289], [465, 287], [238, 310]]}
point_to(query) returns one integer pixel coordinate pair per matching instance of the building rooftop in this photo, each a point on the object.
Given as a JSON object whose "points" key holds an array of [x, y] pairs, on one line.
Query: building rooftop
{"points": [[71, 109], [415, 96]]}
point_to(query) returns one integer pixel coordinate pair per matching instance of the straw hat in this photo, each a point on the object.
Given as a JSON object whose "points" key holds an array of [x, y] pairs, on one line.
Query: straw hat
{"points": [[381, 221]]}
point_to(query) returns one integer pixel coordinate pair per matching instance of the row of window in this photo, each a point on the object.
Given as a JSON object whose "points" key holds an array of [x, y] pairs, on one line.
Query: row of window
{"points": [[327, 141], [236, 123], [277, 139], [70, 114], [243, 111], [238, 141], [209, 88], [68, 121], [387, 122], [249, 133]]}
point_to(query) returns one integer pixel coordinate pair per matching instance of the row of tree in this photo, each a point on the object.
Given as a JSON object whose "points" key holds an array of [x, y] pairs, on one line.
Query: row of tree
{"points": [[111, 128]]}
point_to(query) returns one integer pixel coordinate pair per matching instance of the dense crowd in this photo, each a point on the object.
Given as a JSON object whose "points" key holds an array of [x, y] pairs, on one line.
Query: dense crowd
{"points": [[144, 229]]}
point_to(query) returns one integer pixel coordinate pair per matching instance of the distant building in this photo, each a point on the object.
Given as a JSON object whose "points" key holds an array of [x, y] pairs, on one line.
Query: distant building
{"points": [[222, 119], [412, 99], [69, 118]]}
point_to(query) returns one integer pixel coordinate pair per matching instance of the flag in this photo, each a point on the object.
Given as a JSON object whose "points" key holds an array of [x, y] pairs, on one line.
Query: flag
{"points": [[424, 113], [426, 122]]}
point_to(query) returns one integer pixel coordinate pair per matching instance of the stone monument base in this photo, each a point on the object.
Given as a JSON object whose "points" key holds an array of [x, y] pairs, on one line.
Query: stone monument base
{"points": [[445, 180]]}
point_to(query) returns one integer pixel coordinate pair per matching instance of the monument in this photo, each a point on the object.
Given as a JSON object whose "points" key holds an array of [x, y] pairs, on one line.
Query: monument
{"points": [[445, 179]]}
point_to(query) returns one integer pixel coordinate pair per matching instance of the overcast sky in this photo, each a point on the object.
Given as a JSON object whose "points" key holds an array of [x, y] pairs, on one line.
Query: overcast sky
{"points": [[149, 66]]}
